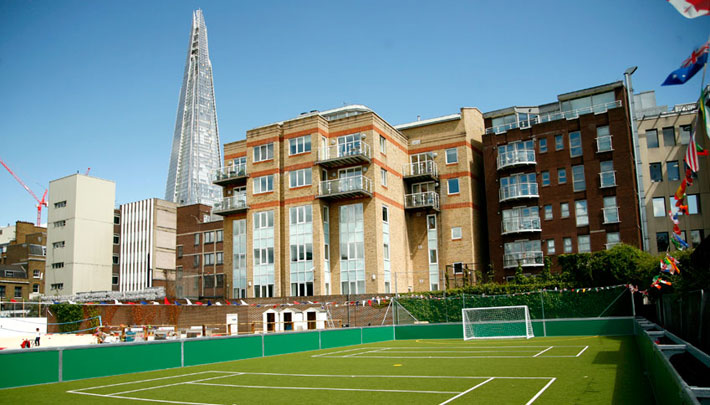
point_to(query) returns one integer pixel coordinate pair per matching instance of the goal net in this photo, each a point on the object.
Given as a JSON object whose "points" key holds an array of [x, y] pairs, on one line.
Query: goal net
{"points": [[497, 322]]}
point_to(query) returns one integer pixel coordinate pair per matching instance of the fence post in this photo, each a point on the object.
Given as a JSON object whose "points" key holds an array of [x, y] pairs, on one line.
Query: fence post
{"points": [[542, 305], [60, 364]]}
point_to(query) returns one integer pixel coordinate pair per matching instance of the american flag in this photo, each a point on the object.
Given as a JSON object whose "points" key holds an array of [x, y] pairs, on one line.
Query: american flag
{"points": [[691, 155]]}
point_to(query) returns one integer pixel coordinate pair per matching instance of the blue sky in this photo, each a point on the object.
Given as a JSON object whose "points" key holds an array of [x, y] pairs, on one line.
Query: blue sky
{"points": [[95, 83]]}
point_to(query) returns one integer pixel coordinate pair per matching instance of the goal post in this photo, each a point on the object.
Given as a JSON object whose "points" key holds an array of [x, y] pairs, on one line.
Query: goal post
{"points": [[497, 322]]}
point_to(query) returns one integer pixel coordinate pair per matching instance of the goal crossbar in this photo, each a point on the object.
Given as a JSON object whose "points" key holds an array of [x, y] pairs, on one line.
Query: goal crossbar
{"points": [[504, 322]]}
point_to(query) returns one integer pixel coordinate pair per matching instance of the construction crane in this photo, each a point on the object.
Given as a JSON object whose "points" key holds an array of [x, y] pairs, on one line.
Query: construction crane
{"points": [[40, 203]]}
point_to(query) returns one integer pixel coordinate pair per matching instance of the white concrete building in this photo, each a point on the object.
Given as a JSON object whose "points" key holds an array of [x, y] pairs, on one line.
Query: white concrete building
{"points": [[79, 235]]}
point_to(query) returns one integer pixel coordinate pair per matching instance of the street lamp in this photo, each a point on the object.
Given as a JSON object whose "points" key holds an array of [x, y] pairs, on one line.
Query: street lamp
{"points": [[637, 157]]}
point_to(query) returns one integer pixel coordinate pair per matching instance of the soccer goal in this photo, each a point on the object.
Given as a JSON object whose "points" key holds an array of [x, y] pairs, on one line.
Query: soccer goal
{"points": [[497, 323]]}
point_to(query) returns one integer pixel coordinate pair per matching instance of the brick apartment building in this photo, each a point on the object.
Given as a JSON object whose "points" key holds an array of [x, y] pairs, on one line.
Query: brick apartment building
{"points": [[199, 253], [25, 257], [560, 179], [341, 202]]}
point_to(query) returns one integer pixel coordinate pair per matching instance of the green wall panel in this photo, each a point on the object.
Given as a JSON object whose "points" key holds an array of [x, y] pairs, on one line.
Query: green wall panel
{"points": [[340, 337], [28, 368], [290, 343], [538, 329], [589, 327], [383, 334], [431, 331], [217, 350], [666, 388], [113, 360]]}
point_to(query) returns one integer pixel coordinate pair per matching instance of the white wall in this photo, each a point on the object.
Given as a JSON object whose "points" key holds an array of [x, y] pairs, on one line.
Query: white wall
{"points": [[22, 327]]}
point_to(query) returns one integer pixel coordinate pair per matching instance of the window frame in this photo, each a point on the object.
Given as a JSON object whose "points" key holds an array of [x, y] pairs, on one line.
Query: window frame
{"points": [[562, 179], [453, 234], [575, 144], [300, 145], [268, 179], [455, 156], [559, 142], [266, 149], [383, 145], [383, 177], [545, 182], [448, 186], [542, 145], [654, 200], [653, 133], [651, 166], [575, 180], [300, 178]]}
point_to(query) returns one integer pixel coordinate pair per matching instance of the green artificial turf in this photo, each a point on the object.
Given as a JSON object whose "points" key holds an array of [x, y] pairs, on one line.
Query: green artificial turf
{"points": [[409, 371]]}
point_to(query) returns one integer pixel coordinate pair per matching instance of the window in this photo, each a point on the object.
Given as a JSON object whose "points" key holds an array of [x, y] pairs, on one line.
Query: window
{"points": [[301, 215], [383, 145], [685, 131], [264, 184], [2, 291], [611, 211], [567, 245], [383, 177], [209, 259], [550, 246], [197, 239], [264, 219], [673, 170], [18, 292], [453, 186], [35, 274], [564, 210], [209, 237], [220, 235], [114, 279], [57, 286], [58, 265], [575, 144], [115, 259], [651, 138], [693, 204], [656, 174], [302, 144], [612, 239], [578, 183], [607, 175], [696, 237], [263, 152], [60, 204], [300, 178], [559, 142], [179, 251], [35, 288], [543, 145], [548, 212], [545, 178], [385, 214], [116, 239], [669, 136], [116, 220], [561, 176], [603, 139], [57, 245], [452, 156], [583, 245], [196, 260], [662, 241], [659, 207], [580, 212], [59, 224], [456, 233], [433, 256]]}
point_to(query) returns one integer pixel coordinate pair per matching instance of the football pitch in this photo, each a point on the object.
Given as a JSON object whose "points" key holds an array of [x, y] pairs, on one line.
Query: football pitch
{"points": [[553, 370]]}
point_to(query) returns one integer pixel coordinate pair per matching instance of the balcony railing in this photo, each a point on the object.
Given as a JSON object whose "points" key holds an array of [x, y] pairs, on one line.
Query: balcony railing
{"points": [[516, 158], [521, 224], [229, 173], [230, 205], [611, 215], [427, 168], [524, 259], [422, 200], [607, 179], [522, 190], [353, 152], [604, 144], [345, 187], [555, 116]]}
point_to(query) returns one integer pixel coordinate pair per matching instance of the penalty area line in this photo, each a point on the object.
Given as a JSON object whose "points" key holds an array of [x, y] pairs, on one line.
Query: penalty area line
{"points": [[580, 353], [541, 391], [543, 351], [467, 391]]}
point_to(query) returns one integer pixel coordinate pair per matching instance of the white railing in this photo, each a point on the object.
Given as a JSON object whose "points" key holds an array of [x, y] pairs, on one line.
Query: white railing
{"points": [[604, 144], [523, 258], [555, 116], [236, 202], [516, 157], [521, 224], [425, 199], [611, 245], [521, 190], [611, 215], [607, 179], [427, 167], [230, 172], [344, 185], [347, 149]]}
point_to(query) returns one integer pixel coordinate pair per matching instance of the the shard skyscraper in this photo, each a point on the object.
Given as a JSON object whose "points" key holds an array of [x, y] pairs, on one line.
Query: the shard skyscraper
{"points": [[195, 154]]}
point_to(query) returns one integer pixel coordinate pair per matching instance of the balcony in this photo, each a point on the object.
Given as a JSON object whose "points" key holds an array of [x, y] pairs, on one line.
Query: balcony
{"points": [[428, 199], [525, 259], [516, 191], [611, 215], [607, 179], [604, 144], [521, 224], [421, 172], [231, 205], [230, 174], [516, 158], [554, 116], [344, 154], [347, 187]]}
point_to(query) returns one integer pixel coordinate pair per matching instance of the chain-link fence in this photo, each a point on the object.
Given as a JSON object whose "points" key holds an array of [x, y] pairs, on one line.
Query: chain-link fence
{"points": [[688, 316]]}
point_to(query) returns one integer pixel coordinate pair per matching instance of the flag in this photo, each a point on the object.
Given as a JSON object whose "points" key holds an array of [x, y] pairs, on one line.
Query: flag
{"points": [[691, 8], [681, 190], [703, 104], [188, 301], [683, 244], [165, 301], [689, 68], [691, 155]]}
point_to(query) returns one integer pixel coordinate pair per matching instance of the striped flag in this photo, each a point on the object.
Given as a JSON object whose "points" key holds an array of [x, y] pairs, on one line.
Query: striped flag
{"points": [[691, 155], [704, 116]]}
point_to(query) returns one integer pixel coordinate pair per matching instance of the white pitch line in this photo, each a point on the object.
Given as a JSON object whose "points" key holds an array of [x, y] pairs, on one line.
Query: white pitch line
{"points": [[580, 353], [543, 351], [76, 391], [143, 399], [541, 391], [394, 376], [450, 351], [339, 351], [322, 388], [451, 357], [170, 385], [466, 392]]}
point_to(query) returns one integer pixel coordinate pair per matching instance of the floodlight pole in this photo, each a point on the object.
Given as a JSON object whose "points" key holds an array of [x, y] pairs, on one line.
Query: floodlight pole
{"points": [[637, 158]]}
